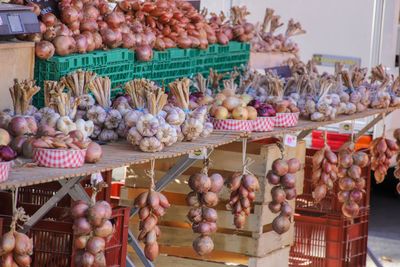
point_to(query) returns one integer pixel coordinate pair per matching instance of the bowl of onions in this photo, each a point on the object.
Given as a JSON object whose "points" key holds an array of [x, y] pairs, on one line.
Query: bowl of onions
{"points": [[266, 118], [59, 152], [7, 154]]}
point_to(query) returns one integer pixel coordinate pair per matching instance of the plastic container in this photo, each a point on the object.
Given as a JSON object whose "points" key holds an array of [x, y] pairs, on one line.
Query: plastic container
{"points": [[59, 158], [53, 241], [233, 125], [329, 205], [336, 140], [329, 241]]}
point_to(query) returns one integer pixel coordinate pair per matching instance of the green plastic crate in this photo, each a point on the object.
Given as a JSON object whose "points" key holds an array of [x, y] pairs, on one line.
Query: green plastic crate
{"points": [[121, 66]]}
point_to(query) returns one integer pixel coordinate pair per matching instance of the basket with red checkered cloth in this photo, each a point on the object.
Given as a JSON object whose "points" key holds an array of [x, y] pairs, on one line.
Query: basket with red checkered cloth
{"points": [[59, 158], [264, 124], [4, 170], [233, 125], [287, 119]]}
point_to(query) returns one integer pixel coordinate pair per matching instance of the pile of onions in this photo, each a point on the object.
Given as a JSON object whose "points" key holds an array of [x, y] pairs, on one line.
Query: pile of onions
{"points": [[16, 248], [243, 187], [396, 135], [283, 177], [382, 150], [92, 229], [152, 205], [202, 215], [351, 181], [324, 172]]}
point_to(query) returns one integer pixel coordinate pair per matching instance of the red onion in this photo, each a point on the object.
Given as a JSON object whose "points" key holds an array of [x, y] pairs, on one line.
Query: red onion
{"points": [[128, 40], [94, 153], [87, 259], [7, 242], [62, 29], [90, 12], [97, 40], [32, 125], [23, 244], [44, 49], [69, 15], [77, 4], [111, 37], [144, 53], [81, 43], [18, 126], [79, 209], [114, 19], [90, 40], [49, 19], [42, 27], [88, 25], [82, 226], [105, 230], [64, 45], [17, 143], [96, 245]]}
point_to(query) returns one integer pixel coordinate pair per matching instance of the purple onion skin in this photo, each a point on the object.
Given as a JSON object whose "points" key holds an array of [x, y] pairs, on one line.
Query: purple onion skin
{"points": [[7, 153]]}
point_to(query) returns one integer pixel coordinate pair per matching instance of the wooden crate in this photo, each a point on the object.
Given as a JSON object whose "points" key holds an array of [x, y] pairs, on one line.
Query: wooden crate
{"points": [[255, 242], [17, 61]]}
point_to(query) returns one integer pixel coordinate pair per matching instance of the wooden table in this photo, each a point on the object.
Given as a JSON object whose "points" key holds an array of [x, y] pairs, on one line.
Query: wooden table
{"points": [[122, 154]]}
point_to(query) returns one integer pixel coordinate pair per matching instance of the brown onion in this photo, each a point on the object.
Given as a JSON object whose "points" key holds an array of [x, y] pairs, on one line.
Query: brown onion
{"points": [[34, 37], [350, 209], [184, 42], [80, 242], [114, 19], [343, 196], [81, 43], [319, 192], [203, 245], [44, 49], [94, 153], [128, 40], [90, 12], [62, 29], [23, 260], [88, 25], [7, 243], [23, 244], [64, 45], [69, 15], [8, 261], [111, 38], [49, 19], [222, 38], [281, 224], [346, 184], [90, 40], [98, 40]]}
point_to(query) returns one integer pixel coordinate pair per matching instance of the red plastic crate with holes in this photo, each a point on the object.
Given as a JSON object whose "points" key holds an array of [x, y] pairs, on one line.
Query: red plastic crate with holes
{"points": [[329, 241], [336, 140], [330, 204], [53, 239]]}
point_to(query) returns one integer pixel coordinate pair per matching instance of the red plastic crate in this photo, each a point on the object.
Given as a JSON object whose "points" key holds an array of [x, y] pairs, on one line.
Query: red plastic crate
{"points": [[335, 140], [53, 240], [329, 241], [329, 205]]}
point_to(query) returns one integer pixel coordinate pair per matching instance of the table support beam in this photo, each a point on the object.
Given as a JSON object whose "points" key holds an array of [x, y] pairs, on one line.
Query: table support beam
{"points": [[51, 203]]}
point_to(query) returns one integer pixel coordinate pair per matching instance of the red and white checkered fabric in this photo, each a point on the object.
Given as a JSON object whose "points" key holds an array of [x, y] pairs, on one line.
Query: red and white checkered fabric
{"points": [[233, 125], [4, 170], [263, 124], [59, 158], [287, 119]]}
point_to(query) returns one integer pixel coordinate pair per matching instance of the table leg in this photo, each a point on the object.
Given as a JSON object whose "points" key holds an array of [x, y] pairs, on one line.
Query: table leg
{"points": [[77, 192], [50, 203], [181, 166]]}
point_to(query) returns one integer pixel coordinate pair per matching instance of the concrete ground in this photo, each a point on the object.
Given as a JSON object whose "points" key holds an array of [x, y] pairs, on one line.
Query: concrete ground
{"points": [[384, 226]]}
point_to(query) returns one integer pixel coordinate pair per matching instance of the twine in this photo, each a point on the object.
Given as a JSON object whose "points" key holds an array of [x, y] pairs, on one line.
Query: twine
{"points": [[246, 161], [150, 174], [18, 213], [207, 163]]}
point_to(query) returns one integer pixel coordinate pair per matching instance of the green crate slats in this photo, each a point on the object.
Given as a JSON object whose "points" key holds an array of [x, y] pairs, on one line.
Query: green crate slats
{"points": [[121, 66]]}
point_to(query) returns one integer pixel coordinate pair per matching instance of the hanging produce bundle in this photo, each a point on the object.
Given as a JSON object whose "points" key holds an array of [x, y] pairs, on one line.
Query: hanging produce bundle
{"points": [[324, 172], [149, 128], [202, 200], [267, 40], [382, 150], [92, 229], [152, 206], [195, 122], [283, 177], [351, 182], [396, 135], [15, 247], [385, 89], [243, 186], [243, 31]]}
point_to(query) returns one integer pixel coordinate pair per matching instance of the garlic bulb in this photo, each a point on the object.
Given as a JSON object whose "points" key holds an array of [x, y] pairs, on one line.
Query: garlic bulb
{"points": [[134, 137], [310, 107], [335, 100], [344, 97], [179, 133], [200, 113], [86, 102], [65, 124], [342, 108], [162, 114], [86, 127], [317, 116], [131, 117], [108, 135], [167, 134], [351, 108], [50, 119], [355, 97], [175, 116], [192, 129], [80, 114], [150, 144], [207, 130], [96, 131], [161, 120], [360, 107], [97, 114], [122, 130], [147, 125], [394, 101], [31, 110], [113, 119]]}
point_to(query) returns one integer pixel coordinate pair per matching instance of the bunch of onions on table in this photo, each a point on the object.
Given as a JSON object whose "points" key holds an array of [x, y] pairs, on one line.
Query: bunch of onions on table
{"points": [[152, 205], [396, 135], [382, 150], [266, 39], [283, 177], [106, 118], [385, 90], [195, 124], [351, 182], [15, 247], [150, 131], [202, 215], [92, 229], [324, 172]]}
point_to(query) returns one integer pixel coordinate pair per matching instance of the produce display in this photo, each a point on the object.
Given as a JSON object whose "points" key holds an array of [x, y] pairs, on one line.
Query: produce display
{"points": [[283, 177], [324, 172], [202, 200], [267, 40], [396, 135], [85, 26], [92, 229], [152, 206], [351, 182]]}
